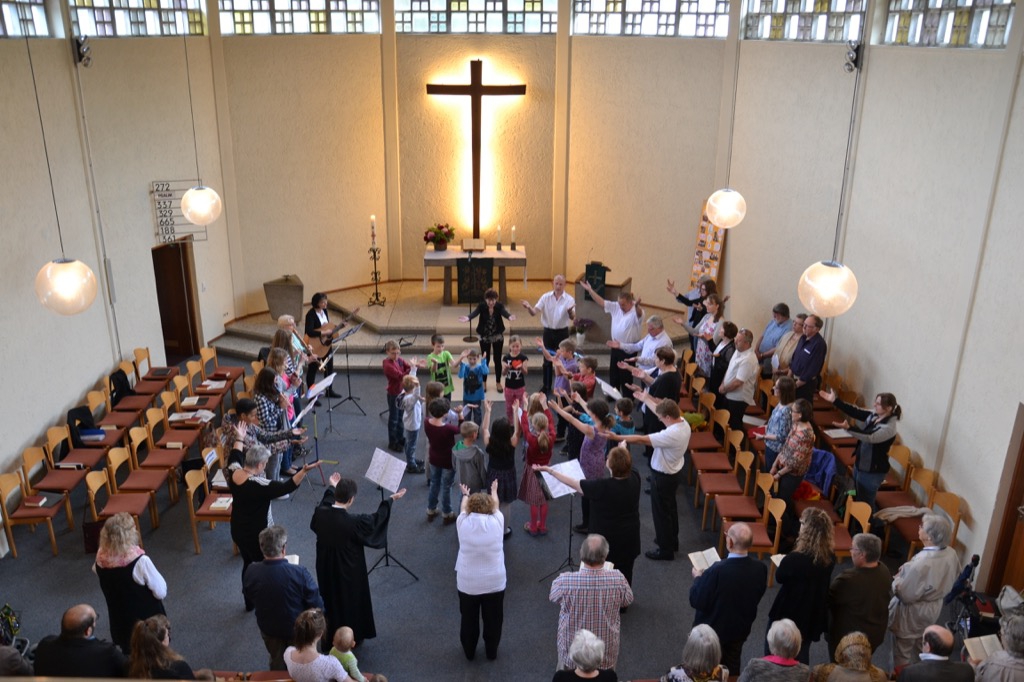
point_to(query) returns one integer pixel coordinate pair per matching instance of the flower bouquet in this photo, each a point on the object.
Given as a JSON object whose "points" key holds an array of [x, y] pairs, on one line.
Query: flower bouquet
{"points": [[439, 234]]}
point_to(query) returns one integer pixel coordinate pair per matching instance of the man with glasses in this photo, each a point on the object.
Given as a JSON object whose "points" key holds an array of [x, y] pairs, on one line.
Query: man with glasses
{"points": [[765, 347], [808, 359], [859, 597]]}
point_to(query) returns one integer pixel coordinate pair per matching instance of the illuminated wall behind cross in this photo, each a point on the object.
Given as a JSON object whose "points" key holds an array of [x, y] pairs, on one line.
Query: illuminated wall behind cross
{"points": [[517, 144]]}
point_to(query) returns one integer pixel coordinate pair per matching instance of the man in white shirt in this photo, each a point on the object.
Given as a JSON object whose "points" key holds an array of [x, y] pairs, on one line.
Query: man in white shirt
{"points": [[557, 309], [670, 446], [626, 328], [737, 387], [644, 349]]}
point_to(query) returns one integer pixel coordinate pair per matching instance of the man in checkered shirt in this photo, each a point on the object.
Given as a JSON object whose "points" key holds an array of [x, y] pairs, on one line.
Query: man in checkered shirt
{"points": [[591, 599]]}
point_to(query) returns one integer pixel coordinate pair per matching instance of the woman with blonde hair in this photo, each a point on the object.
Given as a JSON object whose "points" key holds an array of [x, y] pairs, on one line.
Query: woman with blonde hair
{"points": [[133, 588], [853, 663], [304, 660], [805, 575]]}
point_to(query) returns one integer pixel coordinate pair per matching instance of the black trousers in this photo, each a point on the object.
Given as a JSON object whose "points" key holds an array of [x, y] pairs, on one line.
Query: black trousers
{"points": [[491, 607], [314, 366], [731, 652], [618, 378], [737, 408], [491, 350], [552, 337], [665, 510], [808, 390]]}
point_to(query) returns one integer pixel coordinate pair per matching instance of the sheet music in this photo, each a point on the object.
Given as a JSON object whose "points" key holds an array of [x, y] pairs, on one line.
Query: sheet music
{"points": [[309, 406], [609, 390], [320, 386], [837, 433], [571, 469], [386, 470]]}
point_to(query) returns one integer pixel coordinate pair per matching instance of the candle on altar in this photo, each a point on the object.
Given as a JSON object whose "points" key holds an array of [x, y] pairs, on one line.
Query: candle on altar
{"points": [[513, 234], [499, 233], [373, 230]]}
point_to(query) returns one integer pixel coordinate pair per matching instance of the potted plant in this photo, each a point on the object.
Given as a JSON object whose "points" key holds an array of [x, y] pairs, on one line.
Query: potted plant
{"points": [[439, 234], [580, 326]]}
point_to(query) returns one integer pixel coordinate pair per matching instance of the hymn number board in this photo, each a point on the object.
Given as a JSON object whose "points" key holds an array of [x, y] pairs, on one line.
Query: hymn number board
{"points": [[169, 221]]}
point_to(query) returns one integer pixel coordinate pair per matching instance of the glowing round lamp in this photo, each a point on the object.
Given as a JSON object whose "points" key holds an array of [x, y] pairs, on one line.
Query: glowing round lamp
{"points": [[66, 286], [201, 205], [726, 208], [827, 288]]}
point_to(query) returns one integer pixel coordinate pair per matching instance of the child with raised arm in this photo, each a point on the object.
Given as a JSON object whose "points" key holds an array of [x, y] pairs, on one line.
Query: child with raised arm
{"points": [[501, 464], [441, 363], [514, 367], [474, 378], [597, 417], [395, 368], [412, 421]]}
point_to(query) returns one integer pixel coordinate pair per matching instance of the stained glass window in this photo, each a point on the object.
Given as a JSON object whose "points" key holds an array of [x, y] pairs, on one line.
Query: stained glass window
{"points": [[261, 17], [949, 23], [688, 18], [827, 21], [112, 18], [23, 18], [476, 16]]}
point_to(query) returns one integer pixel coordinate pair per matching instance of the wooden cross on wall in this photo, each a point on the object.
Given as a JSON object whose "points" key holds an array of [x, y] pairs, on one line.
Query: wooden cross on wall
{"points": [[476, 91]]}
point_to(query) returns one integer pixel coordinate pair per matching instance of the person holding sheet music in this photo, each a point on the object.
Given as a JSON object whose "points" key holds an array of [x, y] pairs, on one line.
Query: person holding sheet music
{"points": [[340, 557], [321, 333], [614, 507]]}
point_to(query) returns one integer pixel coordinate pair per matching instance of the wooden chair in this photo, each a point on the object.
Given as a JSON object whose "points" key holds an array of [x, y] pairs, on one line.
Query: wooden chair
{"points": [[148, 387], [726, 485], [743, 507], [763, 542], [944, 504], [859, 511], [194, 480], [169, 402], [104, 417], [257, 365], [918, 493], [687, 356], [760, 410], [898, 477], [719, 461], [130, 503], [128, 403], [156, 458], [706, 408], [714, 438], [22, 515], [60, 481], [249, 382], [184, 438], [84, 457], [193, 369], [229, 374], [146, 481], [152, 373]]}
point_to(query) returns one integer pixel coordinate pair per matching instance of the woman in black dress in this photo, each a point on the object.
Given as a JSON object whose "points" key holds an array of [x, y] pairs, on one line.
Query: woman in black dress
{"points": [[131, 585], [805, 575], [250, 506], [491, 329], [614, 507]]}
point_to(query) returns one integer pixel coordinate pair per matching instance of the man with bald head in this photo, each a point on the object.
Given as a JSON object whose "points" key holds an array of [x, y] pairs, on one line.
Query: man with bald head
{"points": [[936, 646], [557, 309], [76, 652], [726, 594]]}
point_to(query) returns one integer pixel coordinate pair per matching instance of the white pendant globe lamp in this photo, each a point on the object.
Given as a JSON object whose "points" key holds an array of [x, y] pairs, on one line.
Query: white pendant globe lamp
{"points": [[64, 285], [828, 288], [726, 208], [200, 205]]}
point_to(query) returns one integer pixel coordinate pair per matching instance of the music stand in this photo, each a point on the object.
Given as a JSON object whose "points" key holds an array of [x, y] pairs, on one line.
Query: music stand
{"points": [[386, 471], [312, 396], [553, 488], [348, 370]]}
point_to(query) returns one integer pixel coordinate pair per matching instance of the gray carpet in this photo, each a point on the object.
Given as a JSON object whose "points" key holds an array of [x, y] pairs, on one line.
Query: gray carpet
{"points": [[417, 620]]}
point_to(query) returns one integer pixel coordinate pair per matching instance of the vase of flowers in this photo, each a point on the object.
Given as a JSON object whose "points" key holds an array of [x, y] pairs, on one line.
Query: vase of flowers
{"points": [[580, 326], [439, 234]]}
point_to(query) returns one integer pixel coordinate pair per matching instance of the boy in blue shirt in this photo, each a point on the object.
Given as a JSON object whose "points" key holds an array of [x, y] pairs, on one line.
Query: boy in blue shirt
{"points": [[474, 378]]}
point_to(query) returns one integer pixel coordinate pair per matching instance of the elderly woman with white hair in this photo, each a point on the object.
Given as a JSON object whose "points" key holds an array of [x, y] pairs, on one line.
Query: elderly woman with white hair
{"points": [[919, 587], [1006, 665], [781, 666], [702, 659], [586, 652]]}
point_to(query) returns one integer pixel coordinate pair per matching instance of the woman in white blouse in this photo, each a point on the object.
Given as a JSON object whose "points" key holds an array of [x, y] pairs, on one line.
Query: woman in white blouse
{"points": [[480, 570]]}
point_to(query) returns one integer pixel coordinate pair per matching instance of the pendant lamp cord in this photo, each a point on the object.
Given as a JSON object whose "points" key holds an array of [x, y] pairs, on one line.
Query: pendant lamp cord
{"points": [[846, 165], [46, 152], [188, 80]]}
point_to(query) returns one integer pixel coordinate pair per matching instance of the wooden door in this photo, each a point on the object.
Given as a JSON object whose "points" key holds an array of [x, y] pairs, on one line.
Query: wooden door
{"points": [[174, 270], [1008, 559]]}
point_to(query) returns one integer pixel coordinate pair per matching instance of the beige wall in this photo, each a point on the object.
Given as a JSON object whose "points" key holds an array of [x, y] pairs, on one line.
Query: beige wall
{"points": [[641, 155], [300, 120]]}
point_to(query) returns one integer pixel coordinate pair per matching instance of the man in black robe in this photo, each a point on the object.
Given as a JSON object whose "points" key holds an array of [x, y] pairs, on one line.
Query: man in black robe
{"points": [[340, 559]]}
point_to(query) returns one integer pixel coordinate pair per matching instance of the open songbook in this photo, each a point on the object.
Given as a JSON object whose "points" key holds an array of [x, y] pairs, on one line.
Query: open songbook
{"points": [[704, 559], [980, 648]]}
